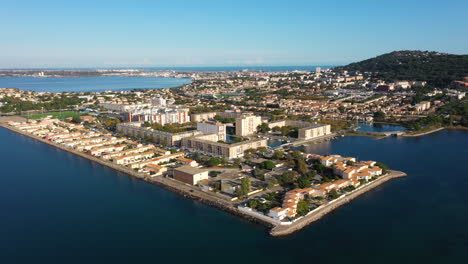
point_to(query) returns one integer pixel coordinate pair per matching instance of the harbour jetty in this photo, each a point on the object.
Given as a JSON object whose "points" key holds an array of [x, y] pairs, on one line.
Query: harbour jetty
{"points": [[188, 191]]}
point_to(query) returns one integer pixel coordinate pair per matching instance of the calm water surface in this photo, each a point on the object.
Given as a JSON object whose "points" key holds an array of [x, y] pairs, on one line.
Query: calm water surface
{"points": [[89, 84], [375, 127], [58, 208]]}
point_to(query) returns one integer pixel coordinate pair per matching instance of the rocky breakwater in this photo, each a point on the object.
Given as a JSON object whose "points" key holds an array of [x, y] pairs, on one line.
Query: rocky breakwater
{"points": [[182, 189], [282, 230]]}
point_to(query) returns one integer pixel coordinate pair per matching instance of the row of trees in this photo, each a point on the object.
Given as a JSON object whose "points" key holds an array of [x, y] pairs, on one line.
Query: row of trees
{"points": [[16, 105]]}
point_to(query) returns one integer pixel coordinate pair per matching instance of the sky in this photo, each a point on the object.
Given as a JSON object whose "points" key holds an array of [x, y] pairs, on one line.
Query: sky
{"points": [[156, 33]]}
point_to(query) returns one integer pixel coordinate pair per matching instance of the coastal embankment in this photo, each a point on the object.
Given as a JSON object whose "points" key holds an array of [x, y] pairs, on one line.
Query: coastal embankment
{"points": [[424, 133], [213, 200], [184, 190], [282, 230]]}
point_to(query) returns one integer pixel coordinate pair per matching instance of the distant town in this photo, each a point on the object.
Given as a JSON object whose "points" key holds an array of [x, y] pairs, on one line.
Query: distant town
{"points": [[235, 140]]}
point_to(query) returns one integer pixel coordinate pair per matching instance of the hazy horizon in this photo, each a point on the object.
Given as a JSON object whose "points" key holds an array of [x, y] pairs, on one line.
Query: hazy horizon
{"points": [[116, 34]]}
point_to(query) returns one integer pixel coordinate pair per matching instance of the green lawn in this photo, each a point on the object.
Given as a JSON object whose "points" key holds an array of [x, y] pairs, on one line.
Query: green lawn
{"points": [[59, 115]]}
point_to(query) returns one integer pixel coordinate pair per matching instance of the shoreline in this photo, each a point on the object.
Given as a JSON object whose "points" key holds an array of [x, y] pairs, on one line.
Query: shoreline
{"points": [[424, 133], [282, 230], [178, 188], [194, 194]]}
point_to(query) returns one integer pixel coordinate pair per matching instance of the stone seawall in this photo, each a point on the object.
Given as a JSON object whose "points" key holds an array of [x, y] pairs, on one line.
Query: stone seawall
{"points": [[424, 133], [301, 223], [212, 200], [186, 191]]}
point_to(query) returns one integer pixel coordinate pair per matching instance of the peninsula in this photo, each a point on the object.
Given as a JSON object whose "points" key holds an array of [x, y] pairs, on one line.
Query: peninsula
{"points": [[228, 185], [237, 140]]}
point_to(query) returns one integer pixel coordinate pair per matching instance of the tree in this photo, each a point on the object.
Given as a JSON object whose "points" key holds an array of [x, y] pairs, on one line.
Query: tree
{"points": [[237, 162], [383, 167], [262, 149], [320, 168], [250, 150], [379, 116], [271, 183], [342, 109], [245, 186], [76, 120], [213, 162], [253, 203], [302, 208], [223, 160], [311, 174], [257, 172], [263, 128], [278, 155], [286, 179], [297, 155], [333, 194], [303, 182], [196, 156], [214, 173], [267, 164], [302, 167]]}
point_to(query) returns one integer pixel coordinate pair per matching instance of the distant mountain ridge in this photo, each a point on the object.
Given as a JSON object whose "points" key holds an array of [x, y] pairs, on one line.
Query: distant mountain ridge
{"points": [[438, 69]]}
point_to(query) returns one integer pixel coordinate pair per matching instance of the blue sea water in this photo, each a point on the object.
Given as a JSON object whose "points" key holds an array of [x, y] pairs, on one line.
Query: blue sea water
{"points": [[376, 127], [90, 84], [56, 207]]}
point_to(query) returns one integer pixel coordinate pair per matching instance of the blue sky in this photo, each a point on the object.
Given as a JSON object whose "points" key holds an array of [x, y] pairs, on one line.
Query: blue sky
{"points": [[223, 33]]}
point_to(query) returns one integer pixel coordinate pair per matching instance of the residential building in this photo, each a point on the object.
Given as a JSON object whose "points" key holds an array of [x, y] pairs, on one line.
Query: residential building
{"points": [[190, 175], [246, 125], [208, 144], [213, 127]]}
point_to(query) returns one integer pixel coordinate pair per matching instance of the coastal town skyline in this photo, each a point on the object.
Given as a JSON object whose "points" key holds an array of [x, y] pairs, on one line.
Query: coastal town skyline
{"points": [[213, 33], [220, 131]]}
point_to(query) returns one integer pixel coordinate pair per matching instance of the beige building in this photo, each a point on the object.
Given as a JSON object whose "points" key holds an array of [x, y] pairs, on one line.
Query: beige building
{"points": [[422, 106], [213, 127], [247, 125], [207, 144], [202, 116], [190, 175], [208, 116], [307, 130], [165, 138]]}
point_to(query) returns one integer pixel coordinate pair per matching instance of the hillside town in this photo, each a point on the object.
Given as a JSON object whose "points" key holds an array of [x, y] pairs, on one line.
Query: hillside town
{"points": [[323, 94]]}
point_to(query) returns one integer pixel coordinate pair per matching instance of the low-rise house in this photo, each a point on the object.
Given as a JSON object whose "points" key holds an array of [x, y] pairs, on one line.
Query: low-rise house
{"points": [[133, 157], [189, 162], [154, 169], [190, 175], [157, 160]]}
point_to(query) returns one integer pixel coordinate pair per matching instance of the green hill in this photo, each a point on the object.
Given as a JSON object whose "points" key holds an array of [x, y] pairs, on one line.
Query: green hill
{"points": [[438, 69]]}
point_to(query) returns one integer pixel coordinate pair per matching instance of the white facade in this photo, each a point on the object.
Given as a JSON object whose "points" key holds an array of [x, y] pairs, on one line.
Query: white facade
{"points": [[247, 125], [217, 128], [158, 101]]}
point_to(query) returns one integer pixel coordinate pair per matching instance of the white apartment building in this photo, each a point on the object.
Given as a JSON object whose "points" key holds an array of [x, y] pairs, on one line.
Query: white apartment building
{"points": [[217, 128]]}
